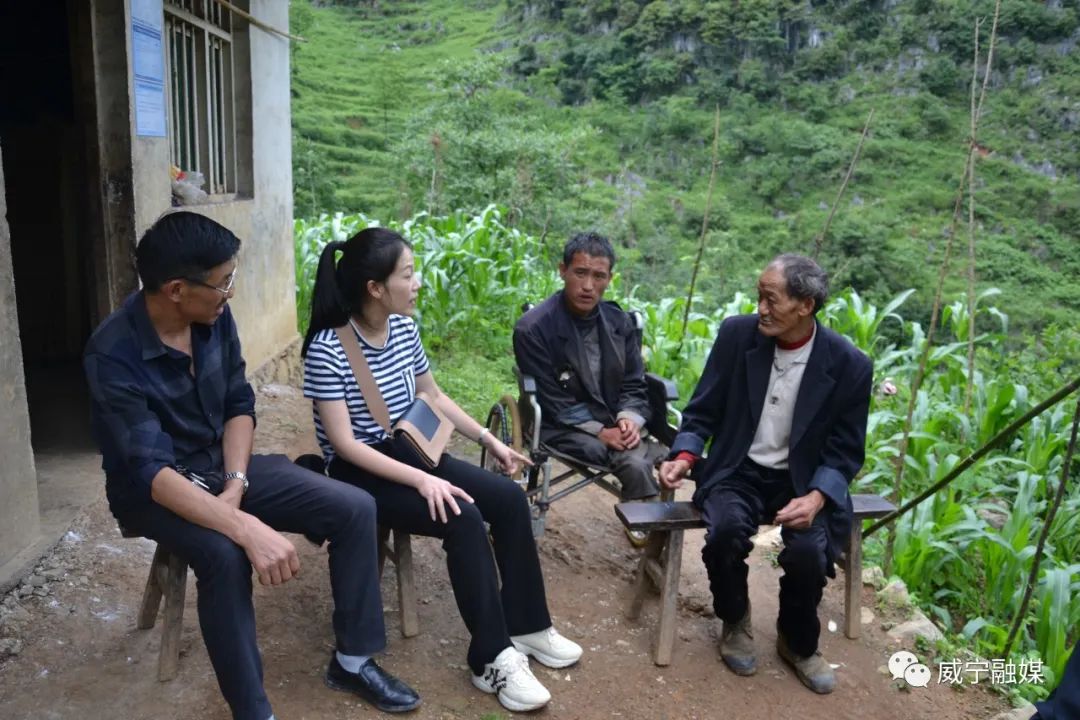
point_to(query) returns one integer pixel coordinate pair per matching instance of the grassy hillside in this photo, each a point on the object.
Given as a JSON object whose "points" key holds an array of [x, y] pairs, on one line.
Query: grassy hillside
{"points": [[578, 114], [355, 84]]}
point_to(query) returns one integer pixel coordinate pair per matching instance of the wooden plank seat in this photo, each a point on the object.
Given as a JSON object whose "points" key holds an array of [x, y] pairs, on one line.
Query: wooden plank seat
{"points": [[661, 561], [167, 581]]}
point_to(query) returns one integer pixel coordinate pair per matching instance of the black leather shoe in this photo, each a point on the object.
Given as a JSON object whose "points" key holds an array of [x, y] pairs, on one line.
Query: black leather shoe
{"points": [[374, 684]]}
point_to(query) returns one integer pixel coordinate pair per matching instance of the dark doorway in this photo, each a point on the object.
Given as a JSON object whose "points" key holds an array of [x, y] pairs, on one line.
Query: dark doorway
{"points": [[49, 187]]}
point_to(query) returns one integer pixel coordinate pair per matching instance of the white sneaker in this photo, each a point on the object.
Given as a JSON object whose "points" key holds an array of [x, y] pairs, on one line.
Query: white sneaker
{"points": [[508, 676], [548, 647]]}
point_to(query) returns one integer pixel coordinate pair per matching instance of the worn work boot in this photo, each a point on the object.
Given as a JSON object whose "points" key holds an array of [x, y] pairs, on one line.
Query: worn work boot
{"points": [[737, 646], [637, 538], [814, 671]]}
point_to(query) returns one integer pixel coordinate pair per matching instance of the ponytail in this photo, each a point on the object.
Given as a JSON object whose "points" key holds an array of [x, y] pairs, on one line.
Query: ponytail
{"points": [[341, 287], [328, 306]]}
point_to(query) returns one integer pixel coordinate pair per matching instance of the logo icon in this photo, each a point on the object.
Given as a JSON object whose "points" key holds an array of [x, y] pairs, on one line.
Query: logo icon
{"points": [[904, 665]]}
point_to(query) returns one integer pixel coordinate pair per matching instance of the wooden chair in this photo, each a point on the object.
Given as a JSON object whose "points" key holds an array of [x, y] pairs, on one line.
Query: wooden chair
{"points": [[661, 561]]}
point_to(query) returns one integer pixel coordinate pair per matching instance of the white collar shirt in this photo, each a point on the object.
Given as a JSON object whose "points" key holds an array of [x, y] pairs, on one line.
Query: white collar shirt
{"points": [[770, 445]]}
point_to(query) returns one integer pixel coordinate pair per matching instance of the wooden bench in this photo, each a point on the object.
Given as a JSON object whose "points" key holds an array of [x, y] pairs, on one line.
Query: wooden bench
{"points": [[661, 560], [168, 581]]}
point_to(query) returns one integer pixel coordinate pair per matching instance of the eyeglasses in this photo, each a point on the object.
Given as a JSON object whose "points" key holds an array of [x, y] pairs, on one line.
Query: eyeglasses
{"points": [[223, 290]]}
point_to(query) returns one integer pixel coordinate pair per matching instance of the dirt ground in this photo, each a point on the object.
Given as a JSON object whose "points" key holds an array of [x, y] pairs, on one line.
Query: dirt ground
{"points": [[71, 648]]}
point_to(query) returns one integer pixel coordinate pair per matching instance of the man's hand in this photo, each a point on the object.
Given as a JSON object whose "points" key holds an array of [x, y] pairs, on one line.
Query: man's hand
{"points": [[233, 493], [271, 554], [631, 433], [799, 514], [613, 438], [672, 473]]}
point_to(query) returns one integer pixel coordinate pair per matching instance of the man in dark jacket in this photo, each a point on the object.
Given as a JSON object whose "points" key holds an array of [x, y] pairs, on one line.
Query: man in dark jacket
{"points": [[784, 402], [586, 359]]}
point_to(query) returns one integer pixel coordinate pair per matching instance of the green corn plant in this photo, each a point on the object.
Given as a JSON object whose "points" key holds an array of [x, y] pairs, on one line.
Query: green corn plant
{"points": [[849, 315], [1057, 609]]}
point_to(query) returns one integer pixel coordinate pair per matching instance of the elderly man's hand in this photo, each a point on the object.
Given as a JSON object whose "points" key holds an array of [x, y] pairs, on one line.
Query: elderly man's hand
{"points": [[799, 514], [672, 473]]}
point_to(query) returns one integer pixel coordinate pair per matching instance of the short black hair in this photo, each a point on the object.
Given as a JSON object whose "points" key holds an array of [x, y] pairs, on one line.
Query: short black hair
{"points": [[183, 245], [590, 243]]}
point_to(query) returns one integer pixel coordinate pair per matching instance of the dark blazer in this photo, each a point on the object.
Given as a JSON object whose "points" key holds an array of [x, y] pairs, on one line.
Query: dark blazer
{"points": [[547, 346], [828, 428]]}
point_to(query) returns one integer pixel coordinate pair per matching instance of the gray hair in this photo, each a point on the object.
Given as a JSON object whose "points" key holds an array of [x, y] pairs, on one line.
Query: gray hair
{"points": [[804, 278]]}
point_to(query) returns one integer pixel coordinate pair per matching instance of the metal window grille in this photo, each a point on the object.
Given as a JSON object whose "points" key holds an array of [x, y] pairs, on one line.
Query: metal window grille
{"points": [[199, 56]]}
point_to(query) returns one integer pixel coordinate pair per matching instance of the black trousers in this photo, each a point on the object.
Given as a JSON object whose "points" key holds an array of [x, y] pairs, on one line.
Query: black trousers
{"points": [[491, 615], [291, 499], [633, 468], [733, 510]]}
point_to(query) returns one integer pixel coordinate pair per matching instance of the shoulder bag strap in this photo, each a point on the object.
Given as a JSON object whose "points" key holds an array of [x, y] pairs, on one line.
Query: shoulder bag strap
{"points": [[364, 378]]}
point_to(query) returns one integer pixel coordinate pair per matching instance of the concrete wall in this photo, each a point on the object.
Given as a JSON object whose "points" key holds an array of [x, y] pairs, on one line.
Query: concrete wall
{"points": [[18, 479], [264, 305]]}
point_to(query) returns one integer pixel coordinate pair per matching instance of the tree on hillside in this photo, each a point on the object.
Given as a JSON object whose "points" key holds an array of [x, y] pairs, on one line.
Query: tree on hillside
{"points": [[474, 147]]}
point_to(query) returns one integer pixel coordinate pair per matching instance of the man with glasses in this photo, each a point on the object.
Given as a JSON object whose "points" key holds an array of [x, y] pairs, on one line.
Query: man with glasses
{"points": [[590, 379], [175, 417]]}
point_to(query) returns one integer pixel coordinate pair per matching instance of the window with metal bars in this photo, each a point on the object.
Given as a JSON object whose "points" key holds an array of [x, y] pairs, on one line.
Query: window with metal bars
{"points": [[202, 112]]}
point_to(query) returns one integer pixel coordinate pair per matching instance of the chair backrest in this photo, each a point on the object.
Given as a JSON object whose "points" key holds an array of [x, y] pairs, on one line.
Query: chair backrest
{"points": [[525, 409]]}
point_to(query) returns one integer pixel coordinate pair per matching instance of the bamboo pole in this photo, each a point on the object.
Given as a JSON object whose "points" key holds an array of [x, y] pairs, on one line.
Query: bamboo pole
{"points": [[704, 229], [256, 21], [843, 186], [1036, 561], [969, 388], [1059, 395], [976, 116], [920, 373]]}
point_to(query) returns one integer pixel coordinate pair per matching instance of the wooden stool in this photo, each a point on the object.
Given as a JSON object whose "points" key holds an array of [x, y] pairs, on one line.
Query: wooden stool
{"points": [[168, 580], [401, 555], [661, 561]]}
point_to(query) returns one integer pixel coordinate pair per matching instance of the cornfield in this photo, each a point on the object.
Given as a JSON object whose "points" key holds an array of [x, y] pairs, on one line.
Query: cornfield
{"points": [[964, 554]]}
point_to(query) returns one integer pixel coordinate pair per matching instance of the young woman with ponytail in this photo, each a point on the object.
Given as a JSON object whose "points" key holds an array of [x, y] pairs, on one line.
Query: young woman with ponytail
{"points": [[371, 291]]}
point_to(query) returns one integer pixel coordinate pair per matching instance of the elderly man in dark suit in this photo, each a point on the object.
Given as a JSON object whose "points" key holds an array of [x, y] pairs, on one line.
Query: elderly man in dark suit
{"points": [[784, 402], [585, 357]]}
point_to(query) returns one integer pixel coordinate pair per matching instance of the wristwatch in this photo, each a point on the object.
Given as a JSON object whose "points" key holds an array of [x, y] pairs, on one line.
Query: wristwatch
{"points": [[238, 476]]}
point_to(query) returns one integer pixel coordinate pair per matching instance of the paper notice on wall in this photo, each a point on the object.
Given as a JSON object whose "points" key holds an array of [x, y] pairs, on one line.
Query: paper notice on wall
{"points": [[148, 67]]}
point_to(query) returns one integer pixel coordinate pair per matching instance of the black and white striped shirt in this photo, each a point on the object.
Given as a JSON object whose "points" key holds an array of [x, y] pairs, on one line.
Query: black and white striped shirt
{"points": [[396, 365]]}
